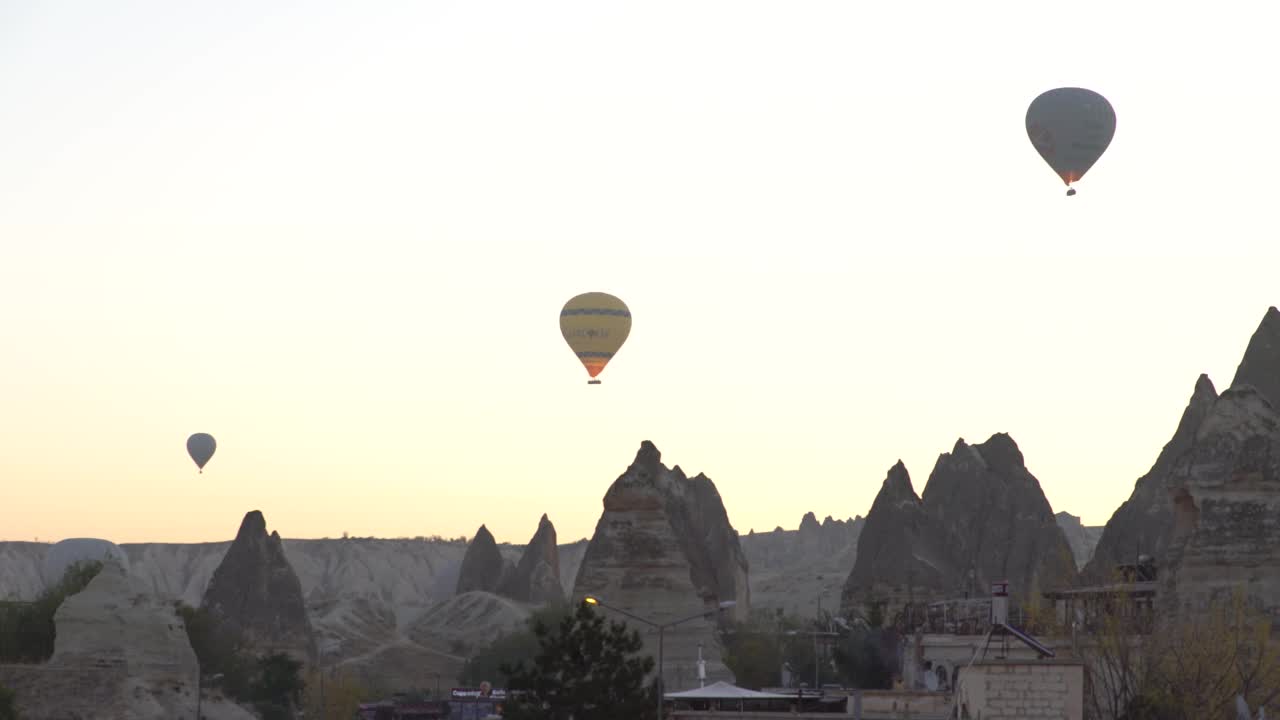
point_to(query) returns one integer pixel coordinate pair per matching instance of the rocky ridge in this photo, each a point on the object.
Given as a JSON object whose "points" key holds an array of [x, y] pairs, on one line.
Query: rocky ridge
{"points": [[982, 517], [802, 572], [367, 599]]}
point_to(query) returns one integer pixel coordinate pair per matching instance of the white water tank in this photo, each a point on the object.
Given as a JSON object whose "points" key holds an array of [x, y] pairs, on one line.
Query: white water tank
{"points": [[1000, 602]]}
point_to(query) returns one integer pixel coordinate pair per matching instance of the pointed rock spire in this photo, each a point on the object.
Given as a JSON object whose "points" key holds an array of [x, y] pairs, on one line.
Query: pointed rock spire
{"points": [[809, 524], [482, 565], [255, 594], [897, 484], [1260, 366], [1145, 522], [536, 578]]}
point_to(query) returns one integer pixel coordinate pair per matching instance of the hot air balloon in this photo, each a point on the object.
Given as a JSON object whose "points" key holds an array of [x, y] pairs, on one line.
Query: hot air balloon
{"points": [[68, 552], [1070, 128], [595, 325], [200, 447]]}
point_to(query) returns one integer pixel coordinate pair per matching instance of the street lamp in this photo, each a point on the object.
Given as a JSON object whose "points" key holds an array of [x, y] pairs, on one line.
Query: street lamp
{"points": [[661, 628]]}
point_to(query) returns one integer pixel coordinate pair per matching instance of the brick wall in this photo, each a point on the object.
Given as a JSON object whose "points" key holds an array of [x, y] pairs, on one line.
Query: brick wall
{"points": [[1017, 690]]}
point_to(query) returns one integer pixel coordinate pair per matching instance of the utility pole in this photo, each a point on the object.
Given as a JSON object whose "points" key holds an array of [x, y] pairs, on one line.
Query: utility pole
{"points": [[817, 663]]}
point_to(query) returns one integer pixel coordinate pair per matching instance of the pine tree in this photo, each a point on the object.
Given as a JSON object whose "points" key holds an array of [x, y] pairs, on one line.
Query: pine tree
{"points": [[584, 671]]}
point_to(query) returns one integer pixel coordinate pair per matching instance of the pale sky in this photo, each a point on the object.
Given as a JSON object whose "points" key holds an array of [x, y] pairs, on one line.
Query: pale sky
{"points": [[337, 237]]}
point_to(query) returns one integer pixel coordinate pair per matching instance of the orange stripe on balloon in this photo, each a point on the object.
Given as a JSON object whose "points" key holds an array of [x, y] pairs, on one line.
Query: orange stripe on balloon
{"points": [[594, 365]]}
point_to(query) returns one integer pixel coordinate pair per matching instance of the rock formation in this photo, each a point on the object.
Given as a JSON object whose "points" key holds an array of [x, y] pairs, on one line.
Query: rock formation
{"points": [[1181, 480], [802, 572], [536, 578], [256, 595], [1225, 490], [364, 596], [1082, 539], [809, 526], [1260, 366], [112, 622], [664, 550], [982, 517], [985, 496], [483, 566], [1143, 524], [119, 653], [903, 554]]}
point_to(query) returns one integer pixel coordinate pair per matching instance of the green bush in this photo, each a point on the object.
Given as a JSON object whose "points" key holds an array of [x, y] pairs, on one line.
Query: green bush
{"points": [[27, 630], [272, 683]]}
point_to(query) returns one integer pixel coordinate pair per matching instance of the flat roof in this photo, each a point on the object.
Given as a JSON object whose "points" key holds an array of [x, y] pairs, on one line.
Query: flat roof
{"points": [[1134, 588]]}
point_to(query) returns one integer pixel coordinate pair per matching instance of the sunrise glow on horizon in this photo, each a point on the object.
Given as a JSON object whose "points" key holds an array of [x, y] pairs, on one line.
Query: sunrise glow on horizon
{"points": [[339, 241]]}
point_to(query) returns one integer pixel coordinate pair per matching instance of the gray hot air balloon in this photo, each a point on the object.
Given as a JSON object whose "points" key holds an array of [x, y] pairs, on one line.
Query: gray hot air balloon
{"points": [[1070, 128], [200, 447], [79, 550]]}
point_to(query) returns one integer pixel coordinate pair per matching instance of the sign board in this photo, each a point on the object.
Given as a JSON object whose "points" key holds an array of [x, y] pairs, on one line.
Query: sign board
{"points": [[474, 694]]}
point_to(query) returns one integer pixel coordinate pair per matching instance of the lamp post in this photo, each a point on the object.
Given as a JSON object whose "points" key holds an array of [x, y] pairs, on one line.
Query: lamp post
{"points": [[200, 688], [661, 628]]}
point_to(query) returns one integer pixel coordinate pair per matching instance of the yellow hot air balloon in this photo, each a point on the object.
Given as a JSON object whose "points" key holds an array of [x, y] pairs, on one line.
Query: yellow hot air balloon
{"points": [[595, 325]]}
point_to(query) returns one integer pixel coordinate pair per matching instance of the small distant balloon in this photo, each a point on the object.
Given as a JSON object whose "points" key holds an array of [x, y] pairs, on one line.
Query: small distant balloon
{"points": [[200, 447], [595, 325], [1070, 128]]}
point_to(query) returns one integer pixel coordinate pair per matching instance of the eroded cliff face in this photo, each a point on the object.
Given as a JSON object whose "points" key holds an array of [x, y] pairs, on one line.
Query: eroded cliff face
{"points": [[1143, 524], [119, 652], [1227, 490], [1209, 510], [1082, 538], [983, 517], [664, 549], [985, 497], [255, 594], [903, 555], [802, 572]]}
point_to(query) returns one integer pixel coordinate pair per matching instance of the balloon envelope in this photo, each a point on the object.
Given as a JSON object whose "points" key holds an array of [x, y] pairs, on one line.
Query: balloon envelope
{"points": [[595, 325], [1070, 128], [200, 447], [66, 553]]}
